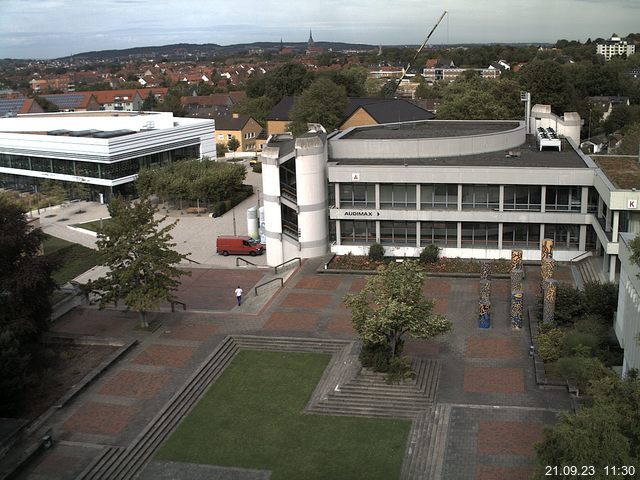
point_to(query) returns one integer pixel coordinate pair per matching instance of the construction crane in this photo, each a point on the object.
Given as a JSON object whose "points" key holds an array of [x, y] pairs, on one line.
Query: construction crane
{"points": [[404, 72]]}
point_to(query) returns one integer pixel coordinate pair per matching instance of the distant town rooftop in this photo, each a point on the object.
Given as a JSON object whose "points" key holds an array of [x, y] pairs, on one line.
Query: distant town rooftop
{"points": [[623, 172]]}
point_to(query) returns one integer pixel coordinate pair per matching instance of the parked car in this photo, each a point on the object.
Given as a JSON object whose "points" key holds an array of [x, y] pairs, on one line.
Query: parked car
{"points": [[238, 245]]}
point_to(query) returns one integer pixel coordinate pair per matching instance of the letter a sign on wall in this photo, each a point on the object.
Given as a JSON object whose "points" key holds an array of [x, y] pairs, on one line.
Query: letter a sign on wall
{"points": [[355, 177]]}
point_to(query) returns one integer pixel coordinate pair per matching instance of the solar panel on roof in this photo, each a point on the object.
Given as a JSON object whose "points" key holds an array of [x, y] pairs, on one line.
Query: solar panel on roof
{"points": [[65, 101], [59, 132], [10, 106]]}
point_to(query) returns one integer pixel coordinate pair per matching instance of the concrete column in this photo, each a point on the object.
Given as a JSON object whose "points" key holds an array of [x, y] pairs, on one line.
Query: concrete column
{"points": [[600, 206], [459, 198], [615, 225], [500, 230], [378, 199], [612, 268], [338, 232], [459, 239], [271, 198], [336, 194], [501, 204], [418, 233], [543, 200], [377, 231], [584, 204], [418, 196], [582, 242], [541, 236], [607, 221]]}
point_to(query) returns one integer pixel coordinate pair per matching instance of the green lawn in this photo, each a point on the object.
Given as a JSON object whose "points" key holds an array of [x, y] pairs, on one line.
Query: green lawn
{"points": [[72, 259], [93, 226], [252, 417]]}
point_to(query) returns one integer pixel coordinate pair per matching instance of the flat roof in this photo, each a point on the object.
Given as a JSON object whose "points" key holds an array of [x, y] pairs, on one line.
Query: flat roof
{"points": [[429, 129], [623, 171], [527, 155]]}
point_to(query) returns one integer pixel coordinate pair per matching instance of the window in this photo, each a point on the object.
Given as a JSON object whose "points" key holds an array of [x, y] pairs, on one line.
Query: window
{"points": [[480, 197], [229, 136], [443, 234], [357, 232], [563, 199], [565, 237], [220, 136], [398, 196], [592, 200], [479, 235], [522, 197], [439, 196], [520, 235], [357, 195], [398, 233]]}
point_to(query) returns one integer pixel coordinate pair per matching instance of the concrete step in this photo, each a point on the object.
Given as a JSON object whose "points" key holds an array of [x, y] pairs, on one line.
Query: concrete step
{"points": [[364, 411]]}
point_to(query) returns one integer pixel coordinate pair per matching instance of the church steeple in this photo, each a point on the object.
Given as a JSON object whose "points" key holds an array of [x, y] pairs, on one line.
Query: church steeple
{"points": [[310, 41]]}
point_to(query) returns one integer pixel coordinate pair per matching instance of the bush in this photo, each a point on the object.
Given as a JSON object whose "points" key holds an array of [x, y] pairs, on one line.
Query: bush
{"points": [[580, 343], [584, 370], [430, 254], [375, 356], [257, 167], [569, 305], [593, 325], [376, 252], [550, 344], [399, 370], [600, 299]]}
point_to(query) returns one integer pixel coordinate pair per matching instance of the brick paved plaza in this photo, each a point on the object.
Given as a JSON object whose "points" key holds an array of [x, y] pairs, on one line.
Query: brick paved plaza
{"points": [[487, 379]]}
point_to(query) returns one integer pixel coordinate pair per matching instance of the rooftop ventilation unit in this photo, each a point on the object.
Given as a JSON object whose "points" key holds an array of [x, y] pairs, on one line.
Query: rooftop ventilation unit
{"points": [[548, 138]]}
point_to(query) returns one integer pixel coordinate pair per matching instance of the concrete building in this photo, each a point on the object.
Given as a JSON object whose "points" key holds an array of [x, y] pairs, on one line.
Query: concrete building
{"points": [[614, 47], [102, 149], [477, 189]]}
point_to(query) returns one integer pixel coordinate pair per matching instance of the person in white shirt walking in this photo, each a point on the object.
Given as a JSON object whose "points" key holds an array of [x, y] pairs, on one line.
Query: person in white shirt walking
{"points": [[239, 293]]}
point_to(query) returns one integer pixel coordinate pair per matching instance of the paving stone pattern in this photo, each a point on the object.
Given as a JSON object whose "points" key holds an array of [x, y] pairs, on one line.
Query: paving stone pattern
{"points": [[480, 421]]}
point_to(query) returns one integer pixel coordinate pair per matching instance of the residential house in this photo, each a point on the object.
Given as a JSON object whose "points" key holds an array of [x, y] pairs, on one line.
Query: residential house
{"points": [[209, 106], [10, 107], [74, 102], [606, 104], [358, 112], [243, 127]]}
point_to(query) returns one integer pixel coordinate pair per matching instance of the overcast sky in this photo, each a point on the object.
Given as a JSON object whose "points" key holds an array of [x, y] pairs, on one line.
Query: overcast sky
{"points": [[55, 28]]}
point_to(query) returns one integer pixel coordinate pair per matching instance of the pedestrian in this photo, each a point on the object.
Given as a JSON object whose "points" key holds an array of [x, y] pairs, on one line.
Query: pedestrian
{"points": [[239, 293]]}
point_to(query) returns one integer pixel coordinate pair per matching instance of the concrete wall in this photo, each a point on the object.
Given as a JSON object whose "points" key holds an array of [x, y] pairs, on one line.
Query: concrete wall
{"points": [[567, 125], [627, 321]]}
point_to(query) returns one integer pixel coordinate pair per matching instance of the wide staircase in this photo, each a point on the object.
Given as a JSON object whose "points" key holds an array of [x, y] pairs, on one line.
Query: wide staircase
{"points": [[370, 394], [120, 463], [589, 269]]}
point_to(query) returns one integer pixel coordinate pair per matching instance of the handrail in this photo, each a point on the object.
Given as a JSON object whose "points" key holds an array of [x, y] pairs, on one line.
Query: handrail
{"points": [[577, 258], [192, 261], [245, 261], [266, 283], [173, 305], [275, 269]]}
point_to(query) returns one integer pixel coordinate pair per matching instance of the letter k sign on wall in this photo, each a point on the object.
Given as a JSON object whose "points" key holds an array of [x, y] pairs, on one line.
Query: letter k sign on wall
{"points": [[355, 177], [632, 203]]}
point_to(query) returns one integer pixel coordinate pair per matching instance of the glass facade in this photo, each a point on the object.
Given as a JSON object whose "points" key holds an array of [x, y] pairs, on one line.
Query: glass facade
{"points": [[106, 170], [398, 196], [520, 235], [439, 196], [354, 232], [522, 197], [479, 235], [480, 197], [565, 237], [443, 234], [563, 199], [357, 195], [398, 233]]}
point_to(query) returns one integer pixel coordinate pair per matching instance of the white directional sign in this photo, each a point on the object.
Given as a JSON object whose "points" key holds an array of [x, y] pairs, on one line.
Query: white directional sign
{"points": [[355, 177]]}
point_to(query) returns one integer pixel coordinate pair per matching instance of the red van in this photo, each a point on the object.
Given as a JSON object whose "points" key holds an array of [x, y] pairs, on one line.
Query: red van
{"points": [[226, 245]]}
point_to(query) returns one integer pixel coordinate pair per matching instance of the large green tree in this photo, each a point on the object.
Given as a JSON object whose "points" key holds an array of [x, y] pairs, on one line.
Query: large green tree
{"points": [[288, 80], [603, 434], [140, 257], [323, 102], [481, 99], [549, 84], [25, 289], [392, 305]]}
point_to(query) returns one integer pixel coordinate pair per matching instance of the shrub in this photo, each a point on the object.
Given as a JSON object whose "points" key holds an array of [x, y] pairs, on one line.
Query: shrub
{"points": [[580, 343], [600, 299], [569, 305], [399, 370], [376, 252], [584, 369], [430, 254], [375, 356], [257, 167], [593, 325], [550, 344]]}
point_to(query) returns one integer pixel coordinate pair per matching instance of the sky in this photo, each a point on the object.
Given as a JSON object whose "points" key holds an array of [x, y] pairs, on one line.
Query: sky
{"points": [[57, 28]]}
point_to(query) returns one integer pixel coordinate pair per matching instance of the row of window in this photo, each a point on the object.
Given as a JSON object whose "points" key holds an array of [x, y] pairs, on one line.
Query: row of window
{"points": [[474, 197], [445, 234], [108, 171]]}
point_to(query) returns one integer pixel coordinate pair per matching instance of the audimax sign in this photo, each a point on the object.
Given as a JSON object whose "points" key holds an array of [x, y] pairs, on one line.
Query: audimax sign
{"points": [[361, 213]]}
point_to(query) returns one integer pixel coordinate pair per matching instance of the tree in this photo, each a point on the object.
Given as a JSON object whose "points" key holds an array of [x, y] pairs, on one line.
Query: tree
{"points": [[258, 108], [481, 99], [140, 258], [220, 149], [150, 103], [630, 144], [288, 80], [391, 305], [233, 144], [323, 102], [548, 83], [25, 306], [603, 434]]}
